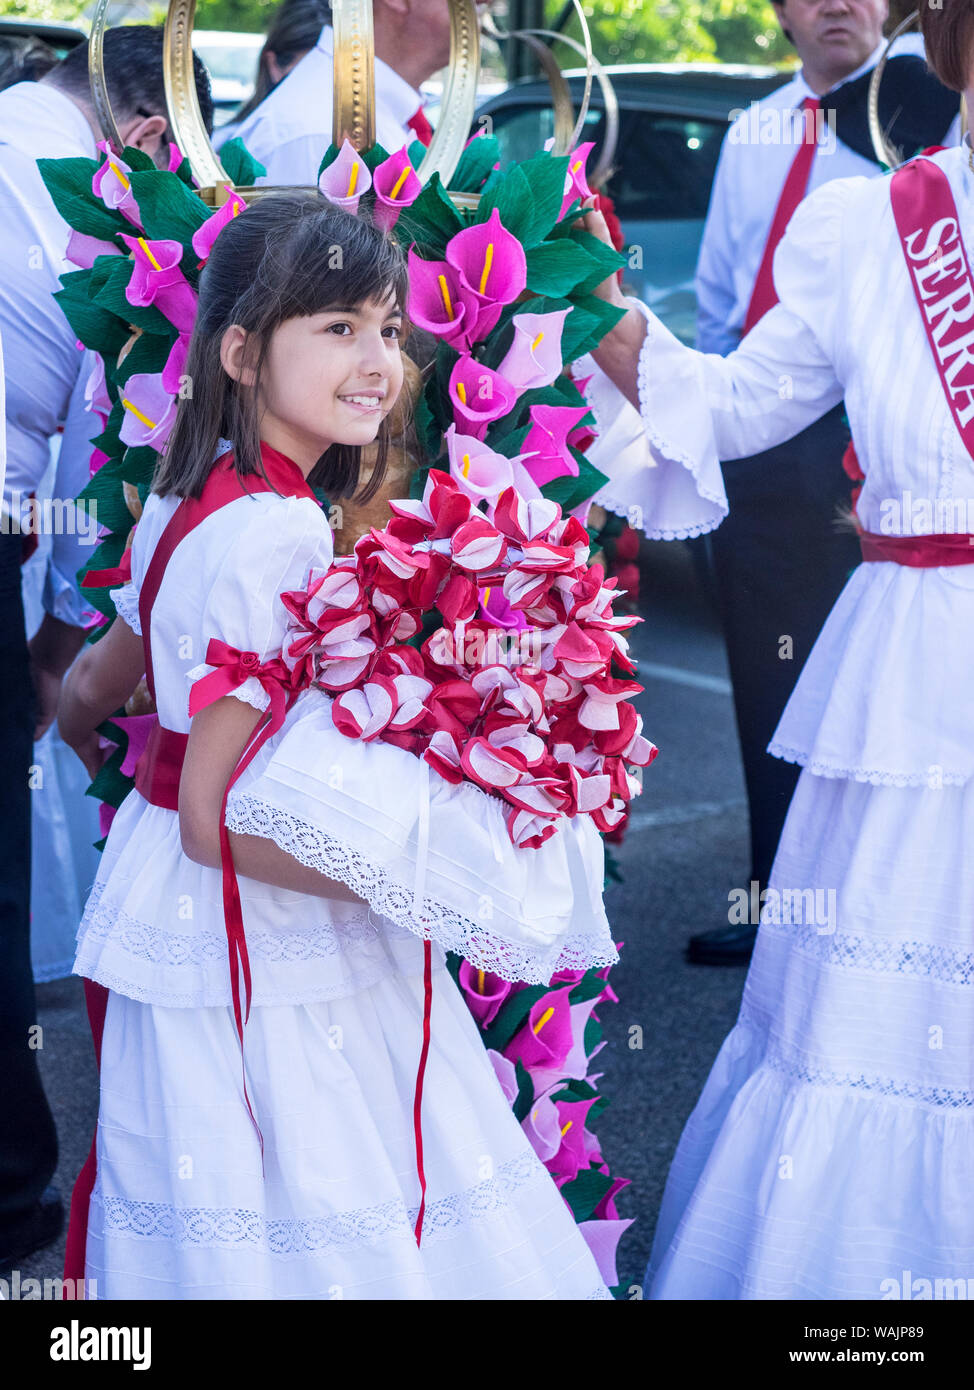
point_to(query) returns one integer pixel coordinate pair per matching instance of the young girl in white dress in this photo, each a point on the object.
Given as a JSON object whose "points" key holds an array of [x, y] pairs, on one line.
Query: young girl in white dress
{"points": [[286, 1166], [831, 1154]]}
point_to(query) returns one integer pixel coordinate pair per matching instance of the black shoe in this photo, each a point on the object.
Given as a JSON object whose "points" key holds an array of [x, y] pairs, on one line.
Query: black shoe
{"points": [[725, 946], [40, 1227]]}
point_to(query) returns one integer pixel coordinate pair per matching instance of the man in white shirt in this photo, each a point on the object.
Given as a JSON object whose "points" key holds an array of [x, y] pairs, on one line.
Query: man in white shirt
{"points": [[291, 129], [780, 558], [44, 377]]}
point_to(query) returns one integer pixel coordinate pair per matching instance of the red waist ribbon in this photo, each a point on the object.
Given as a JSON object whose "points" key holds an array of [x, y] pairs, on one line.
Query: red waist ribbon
{"points": [[919, 552]]}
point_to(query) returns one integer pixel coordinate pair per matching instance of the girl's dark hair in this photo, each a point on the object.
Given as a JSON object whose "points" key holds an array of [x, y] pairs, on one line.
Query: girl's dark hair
{"points": [[293, 32], [948, 33], [287, 255]]}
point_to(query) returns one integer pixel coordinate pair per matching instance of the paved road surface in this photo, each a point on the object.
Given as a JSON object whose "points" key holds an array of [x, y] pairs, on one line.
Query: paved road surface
{"points": [[686, 848]]}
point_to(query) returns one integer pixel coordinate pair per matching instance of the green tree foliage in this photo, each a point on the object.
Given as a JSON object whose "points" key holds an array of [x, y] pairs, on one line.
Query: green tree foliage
{"points": [[683, 31]]}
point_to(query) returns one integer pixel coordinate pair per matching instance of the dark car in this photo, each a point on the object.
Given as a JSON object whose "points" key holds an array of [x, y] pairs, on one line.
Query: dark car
{"points": [[672, 119]]}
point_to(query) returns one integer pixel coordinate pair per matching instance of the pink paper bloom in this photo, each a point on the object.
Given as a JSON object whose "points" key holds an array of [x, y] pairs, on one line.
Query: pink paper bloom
{"points": [[483, 474], [175, 156], [478, 395], [83, 250], [534, 358], [205, 236], [396, 185], [138, 727], [157, 279], [439, 303], [484, 992], [492, 268], [345, 179], [542, 1129], [499, 612], [96, 392], [505, 1073], [576, 182], [150, 411], [602, 1238], [111, 183], [547, 441], [173, 371], [545, 1041]]}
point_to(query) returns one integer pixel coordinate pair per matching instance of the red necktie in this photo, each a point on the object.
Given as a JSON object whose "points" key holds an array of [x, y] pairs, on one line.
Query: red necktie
{"points": [[420, 126], [764, 296]]}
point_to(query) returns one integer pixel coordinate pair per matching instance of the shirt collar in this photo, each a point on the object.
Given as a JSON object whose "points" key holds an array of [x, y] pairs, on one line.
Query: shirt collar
{"points": [[398, 98], [804, 90], [284, 474], [41, 120]]}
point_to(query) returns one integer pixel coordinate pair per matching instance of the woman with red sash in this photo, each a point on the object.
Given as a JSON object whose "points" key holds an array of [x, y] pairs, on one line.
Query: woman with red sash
{"points": [[295, 1100], [831, 1154]]}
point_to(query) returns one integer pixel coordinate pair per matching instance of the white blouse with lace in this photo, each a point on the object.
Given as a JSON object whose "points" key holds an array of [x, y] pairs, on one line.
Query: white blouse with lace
{"points": [[887, 694]]}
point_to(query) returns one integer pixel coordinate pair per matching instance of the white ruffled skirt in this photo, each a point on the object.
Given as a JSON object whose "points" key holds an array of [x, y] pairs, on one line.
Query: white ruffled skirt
{"points": [[182, 1210], [831, 1153]]}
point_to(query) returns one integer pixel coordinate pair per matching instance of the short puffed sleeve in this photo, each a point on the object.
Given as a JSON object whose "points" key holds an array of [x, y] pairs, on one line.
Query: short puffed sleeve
{"points": [[279, 543]]}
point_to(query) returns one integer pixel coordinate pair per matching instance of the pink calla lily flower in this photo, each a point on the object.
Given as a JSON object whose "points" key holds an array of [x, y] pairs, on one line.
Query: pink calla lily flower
{"points": [[205, 236], [483, 474], [576, 182], [492, 267], [499, 612], [83, 250], [439, 303], [542, 1129], [505, 1073], [111, 183], [546, 1039], [547, 440], [150, 411], [157, 279], [96, 392], [173, 371], [138, 727], [479, 395], [534, 358], [345, 179], [175, 156], [602, 1238], [484, 993], [396, 185]]}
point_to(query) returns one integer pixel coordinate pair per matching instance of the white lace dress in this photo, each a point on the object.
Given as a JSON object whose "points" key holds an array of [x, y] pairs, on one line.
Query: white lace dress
{"points": [[181, 1207], [831, 1154]]}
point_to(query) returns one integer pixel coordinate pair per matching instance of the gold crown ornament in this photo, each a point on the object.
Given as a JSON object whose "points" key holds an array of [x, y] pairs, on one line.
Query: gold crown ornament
{"points": [[886, 152]]}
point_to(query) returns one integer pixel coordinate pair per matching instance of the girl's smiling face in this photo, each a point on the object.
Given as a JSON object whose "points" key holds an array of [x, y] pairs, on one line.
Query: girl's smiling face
{"points": [[328, 378]]}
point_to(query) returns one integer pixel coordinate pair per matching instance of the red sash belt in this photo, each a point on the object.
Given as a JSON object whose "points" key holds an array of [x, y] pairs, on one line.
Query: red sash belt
{"points": [[158, 770], [919, 552]]}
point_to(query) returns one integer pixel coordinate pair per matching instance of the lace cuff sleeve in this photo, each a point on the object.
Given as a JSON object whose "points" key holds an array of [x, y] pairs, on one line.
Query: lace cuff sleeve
{"points": [[126, 601]]}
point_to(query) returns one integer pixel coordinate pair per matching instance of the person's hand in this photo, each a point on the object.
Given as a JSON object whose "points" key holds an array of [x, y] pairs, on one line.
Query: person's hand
{"points": [[595, 224], [92, 754], [51, 650]]}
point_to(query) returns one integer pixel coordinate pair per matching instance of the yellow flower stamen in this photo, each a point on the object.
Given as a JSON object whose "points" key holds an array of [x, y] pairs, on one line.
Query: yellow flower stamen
{"points": [[576, 166], [236, 209], [486, 595], [480, 982], [466, 465], [119, 175], [352, 181], [566, 1128], [138, 413], [488, 258], [446, 296], [401, 180], [462, 392], [145, 247], [542, 1021], [537, 341]]}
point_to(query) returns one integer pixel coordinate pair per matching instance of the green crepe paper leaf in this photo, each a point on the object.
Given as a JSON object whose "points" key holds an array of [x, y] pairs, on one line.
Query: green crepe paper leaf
{"points": [[607, 260], [592, 319], [525, 1092], [104, 492], [476, 164], [417, 152], [585, 1193], [417, 487], [427, 430], [592, 1036], [588, 987], [98, 328], [184, 171], [528, 198], [139, 464], [137, 159], [430, 221], [438, 392], [557, 394], [111, 296], [69, 183], [510, 445], [106, 556], [170, 211], [571, 492], [241, 167], [576, 1089], [559, 267], [148, 353], [511, 1016], [109, 785], [96, 276]]}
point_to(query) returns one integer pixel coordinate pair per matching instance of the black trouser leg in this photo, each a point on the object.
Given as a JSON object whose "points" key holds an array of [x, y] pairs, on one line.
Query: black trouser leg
{"points": [[28, 1140], [781, 561]]}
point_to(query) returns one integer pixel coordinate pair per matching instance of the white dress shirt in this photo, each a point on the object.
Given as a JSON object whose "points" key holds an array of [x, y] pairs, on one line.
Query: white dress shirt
{"points": [[45, 372], [291, 128], [751, 172]]}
